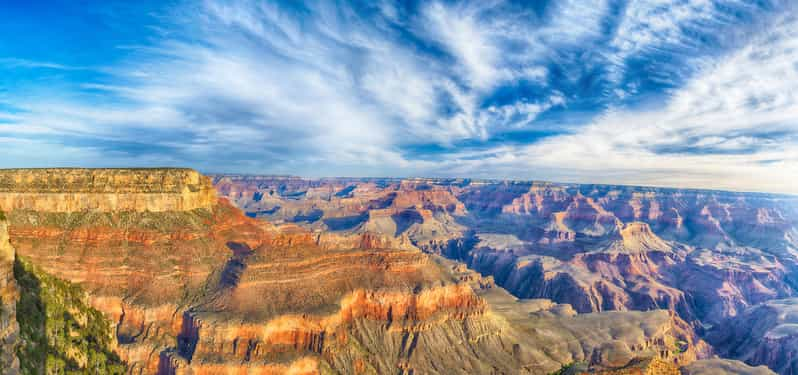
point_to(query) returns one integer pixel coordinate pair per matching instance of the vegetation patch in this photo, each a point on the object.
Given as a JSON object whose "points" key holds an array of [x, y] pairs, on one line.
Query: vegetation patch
{"points": [[571, 369], [60, 333]]}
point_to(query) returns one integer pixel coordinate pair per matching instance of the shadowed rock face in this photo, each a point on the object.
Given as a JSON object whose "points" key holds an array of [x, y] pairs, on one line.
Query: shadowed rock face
{"points": [[9, 329], [209, 290], [765, 334], [706, 255]]}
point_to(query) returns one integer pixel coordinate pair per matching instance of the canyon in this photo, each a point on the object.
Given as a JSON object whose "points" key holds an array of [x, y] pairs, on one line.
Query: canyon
{"points": [[710, 257], [148, 271]]}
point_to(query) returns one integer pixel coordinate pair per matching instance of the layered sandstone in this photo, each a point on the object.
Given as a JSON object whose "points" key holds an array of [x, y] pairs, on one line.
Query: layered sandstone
{"points": [[104, 190], [141, 269]]}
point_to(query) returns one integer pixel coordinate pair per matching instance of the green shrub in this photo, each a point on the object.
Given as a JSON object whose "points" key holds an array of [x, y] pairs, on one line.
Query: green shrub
{"points": [[48, 312], [565, 369]]}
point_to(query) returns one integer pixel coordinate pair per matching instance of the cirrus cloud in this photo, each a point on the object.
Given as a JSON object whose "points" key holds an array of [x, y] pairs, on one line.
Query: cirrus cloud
{"points": [[694, 93]]}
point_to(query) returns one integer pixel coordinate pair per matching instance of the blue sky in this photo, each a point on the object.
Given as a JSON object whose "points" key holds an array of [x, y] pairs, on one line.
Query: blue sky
{"points": [[691, 93]]}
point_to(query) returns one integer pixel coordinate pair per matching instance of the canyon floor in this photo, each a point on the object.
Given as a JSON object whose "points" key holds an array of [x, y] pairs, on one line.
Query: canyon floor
{"points": [[166, 271]]}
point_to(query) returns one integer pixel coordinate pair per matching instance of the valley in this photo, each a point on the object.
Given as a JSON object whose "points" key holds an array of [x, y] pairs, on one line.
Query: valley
{"points": [[707, 256]]}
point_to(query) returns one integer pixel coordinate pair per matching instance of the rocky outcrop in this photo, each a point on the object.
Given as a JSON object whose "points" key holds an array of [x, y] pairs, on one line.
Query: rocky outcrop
{"points": [[104, 190], [635, 366], [9, 294], [639, 238], [540, 200]]}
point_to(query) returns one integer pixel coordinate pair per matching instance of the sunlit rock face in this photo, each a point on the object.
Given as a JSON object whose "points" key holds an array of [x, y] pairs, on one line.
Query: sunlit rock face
{"points": [[205, 289], [705, 255], [104, 190]]}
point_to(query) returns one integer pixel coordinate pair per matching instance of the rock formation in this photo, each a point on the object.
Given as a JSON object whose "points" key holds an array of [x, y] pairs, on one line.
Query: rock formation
{"points": [[705, 255], [104, 190], [191, 285]]}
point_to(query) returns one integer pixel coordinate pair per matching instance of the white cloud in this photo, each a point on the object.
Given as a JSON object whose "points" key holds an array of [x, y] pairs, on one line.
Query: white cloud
{"points": [[466, 37], [654, 23], [32, 64], [252, 86], [734, 126]]}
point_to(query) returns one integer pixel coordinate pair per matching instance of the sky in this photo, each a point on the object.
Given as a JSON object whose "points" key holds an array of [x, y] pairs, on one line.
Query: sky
{"points": [[681, 93]]}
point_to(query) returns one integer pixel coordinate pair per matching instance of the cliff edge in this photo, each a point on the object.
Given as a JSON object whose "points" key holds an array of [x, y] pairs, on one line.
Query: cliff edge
{"points": [[104, 190]]}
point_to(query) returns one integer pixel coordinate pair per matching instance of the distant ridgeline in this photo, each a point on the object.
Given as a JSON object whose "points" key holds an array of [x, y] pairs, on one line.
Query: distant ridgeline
{"points": [[104, 190]]}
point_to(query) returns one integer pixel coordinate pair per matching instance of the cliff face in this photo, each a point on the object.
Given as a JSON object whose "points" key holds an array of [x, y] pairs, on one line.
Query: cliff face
{"points": [[141, 269], [9, 329], [140, 242], [209, 290], [104, 190], [387, 329]]}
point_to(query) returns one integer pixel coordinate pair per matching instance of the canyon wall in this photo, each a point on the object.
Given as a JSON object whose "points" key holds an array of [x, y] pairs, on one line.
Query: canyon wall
{"points": [[104, 190], [9, 329]]}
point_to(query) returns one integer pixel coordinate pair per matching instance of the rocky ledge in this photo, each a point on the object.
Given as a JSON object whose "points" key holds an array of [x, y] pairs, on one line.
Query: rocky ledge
{"points": [[104, 190]]}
